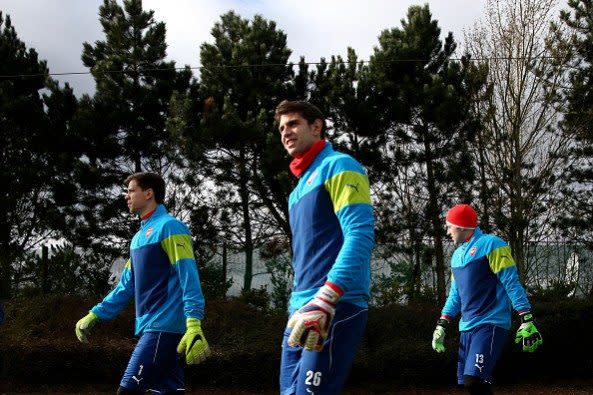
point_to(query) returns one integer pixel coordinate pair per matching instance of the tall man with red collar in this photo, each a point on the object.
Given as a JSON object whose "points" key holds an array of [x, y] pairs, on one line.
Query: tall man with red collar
{"points": [[484, 286], [162, 277], [332, 224]]}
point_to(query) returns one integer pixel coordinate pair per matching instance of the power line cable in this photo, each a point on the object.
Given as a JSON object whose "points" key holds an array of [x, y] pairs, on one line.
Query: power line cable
{"points": [[265, 65]]}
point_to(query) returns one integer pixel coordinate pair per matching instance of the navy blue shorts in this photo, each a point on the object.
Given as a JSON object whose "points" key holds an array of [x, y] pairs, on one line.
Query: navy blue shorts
{"points": [[325, 372], [155, 365], [479, 350]]}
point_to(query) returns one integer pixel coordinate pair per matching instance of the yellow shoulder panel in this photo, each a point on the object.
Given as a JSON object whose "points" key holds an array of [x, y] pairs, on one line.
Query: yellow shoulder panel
{"points": [[500, 258], [178, 247], [348, 187]]}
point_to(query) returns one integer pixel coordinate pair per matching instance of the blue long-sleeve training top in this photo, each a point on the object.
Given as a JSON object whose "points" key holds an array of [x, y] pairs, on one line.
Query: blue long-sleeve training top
{"points": [[332, 224], [484, 284], [161, 275]]}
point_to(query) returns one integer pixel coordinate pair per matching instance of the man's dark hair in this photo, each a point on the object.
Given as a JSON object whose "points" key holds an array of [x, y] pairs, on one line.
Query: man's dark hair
{"points": [[147, 180], [305, 109]]}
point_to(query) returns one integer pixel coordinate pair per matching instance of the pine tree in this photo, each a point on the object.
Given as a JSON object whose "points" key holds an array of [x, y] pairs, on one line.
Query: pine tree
{"points": [[243, 77], [124, 123], [37, 151], [424, 97], [574, 36]]}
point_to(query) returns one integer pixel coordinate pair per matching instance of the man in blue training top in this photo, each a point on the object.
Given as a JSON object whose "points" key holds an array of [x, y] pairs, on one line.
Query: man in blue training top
{"points": [[484, 286], [161, 275], [331, 219]]}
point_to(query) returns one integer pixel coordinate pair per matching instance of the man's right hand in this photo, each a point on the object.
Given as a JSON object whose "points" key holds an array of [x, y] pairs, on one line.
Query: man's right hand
{"points": [[310, 324], [438, 336], [84, 325]]}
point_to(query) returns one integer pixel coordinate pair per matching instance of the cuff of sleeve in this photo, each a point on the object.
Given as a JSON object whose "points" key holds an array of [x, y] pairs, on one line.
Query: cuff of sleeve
{"points": [[193, 322], [444, 321], [330, 293], [335, 288], [525, 316], [97, 314]]}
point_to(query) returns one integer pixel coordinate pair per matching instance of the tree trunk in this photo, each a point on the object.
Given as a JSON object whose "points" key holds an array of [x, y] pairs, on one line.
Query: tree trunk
{"points": [[137, 162], [135, 127], [435, 221], [45, 286], [517, 223], [5, 258], [248, 244], [415, 285], [484, 193], [517, 243], [224, 262], [267, 195]]}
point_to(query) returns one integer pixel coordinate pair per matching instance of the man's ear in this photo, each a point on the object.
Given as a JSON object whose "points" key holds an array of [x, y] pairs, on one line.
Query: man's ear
{"points": [[149, 193], [318, 125]]}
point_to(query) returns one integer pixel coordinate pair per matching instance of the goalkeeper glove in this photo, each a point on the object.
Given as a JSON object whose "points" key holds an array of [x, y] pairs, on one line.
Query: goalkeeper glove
{"points": [[310, 324], [84, 325], [193, 345], [528, 333], [438, 336]]}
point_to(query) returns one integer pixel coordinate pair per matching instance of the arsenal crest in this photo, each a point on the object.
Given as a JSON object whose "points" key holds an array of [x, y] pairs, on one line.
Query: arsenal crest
{"points": [[312, 177]]}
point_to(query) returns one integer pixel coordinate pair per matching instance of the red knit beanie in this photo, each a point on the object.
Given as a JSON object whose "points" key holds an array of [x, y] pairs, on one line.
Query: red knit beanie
{"points": [[462, 216]]}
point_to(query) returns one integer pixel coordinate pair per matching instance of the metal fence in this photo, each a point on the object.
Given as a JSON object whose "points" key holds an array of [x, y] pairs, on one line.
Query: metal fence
{"points": [[547, 265]]}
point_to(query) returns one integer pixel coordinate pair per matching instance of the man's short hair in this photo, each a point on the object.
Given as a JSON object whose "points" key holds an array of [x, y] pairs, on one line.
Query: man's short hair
{"points": [[147, 180], [305, 109]]}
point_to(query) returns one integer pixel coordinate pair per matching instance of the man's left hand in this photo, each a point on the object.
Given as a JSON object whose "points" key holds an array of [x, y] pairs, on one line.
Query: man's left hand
{"points": [[193, 345], [528, 334]]}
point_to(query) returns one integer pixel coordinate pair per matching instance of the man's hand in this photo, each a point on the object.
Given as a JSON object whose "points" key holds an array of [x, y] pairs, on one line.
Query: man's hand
{"points": [[193, 345], [528, 333], [310, 324], [438, 336], [84, 325]]}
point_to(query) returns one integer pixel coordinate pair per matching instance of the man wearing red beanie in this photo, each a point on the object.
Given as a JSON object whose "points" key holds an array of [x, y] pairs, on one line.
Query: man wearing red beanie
{"points": [[484, 286]]}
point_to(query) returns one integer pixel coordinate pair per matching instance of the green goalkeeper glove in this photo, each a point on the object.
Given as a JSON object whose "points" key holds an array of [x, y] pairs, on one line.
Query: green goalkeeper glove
{"points": [[438, 336], [193, 345], [528, 333], [84, 325]]}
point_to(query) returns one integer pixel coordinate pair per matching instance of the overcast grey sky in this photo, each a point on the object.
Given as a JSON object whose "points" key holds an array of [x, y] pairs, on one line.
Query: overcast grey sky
{"points": [[315, 28]]}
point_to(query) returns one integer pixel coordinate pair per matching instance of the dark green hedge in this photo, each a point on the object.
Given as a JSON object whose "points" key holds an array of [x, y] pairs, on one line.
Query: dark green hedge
{"points": [[39, 347]]}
